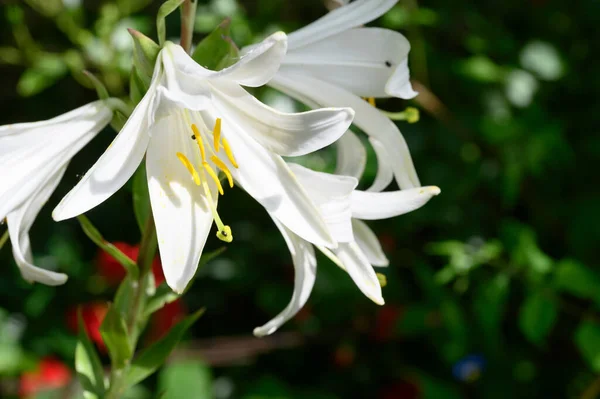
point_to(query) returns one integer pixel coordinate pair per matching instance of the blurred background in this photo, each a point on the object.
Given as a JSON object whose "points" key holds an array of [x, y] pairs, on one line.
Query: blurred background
{"points": [[493, 288]]}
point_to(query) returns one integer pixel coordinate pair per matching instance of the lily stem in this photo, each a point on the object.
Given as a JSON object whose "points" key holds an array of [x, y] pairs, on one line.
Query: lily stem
{"points": [[188, 18], [148, 247]]}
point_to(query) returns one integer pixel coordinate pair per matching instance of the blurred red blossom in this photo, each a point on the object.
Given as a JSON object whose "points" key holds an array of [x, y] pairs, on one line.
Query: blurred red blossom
{"points": [[401, 390], [92, 314], [50, 374], [113, 272]]}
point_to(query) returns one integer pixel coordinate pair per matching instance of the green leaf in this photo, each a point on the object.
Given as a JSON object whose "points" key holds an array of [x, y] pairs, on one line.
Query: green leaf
{"points": [[115, 336], [178, 380], [145, 53], [167, 8], [217, 51], [98, 85], [141, 196], [87, 364], [150, 359], [41, 76], [3, 239], [137, 87], [163, 296], [537, 317], [577, 279], [94, 235], [587, 339]]}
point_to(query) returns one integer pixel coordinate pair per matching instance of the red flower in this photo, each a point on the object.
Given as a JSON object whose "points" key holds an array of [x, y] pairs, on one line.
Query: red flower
{"points": [[113, 272], [50, 374], [93, 315], [164, 319]]}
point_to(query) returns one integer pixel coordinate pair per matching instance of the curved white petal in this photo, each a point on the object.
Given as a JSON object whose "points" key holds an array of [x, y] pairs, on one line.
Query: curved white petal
{"points": [[267, 178], [368, 118], [305, 272], [116, 165], [19, 223], [331, 194], [398, 84], [255, 68], [351, 156], [360, 60], [358, 267], [385, 174], [182, 216], [374, 206], [33, 151], [368, 243], [354, 14], [288, 134]]}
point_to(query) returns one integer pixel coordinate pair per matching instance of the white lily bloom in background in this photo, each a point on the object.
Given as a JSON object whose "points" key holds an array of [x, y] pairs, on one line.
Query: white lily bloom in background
{"points": [[193, 122], [334, 62], [356, 254], [33, 159]]}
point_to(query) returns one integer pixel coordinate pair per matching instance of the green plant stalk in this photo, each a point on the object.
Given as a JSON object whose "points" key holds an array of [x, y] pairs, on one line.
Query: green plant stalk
{"points": [[148, 247], [188, 18]]}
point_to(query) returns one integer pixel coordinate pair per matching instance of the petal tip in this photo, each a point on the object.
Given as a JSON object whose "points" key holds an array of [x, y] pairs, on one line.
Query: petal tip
{"points": [[434, 190], [260, 332], [279, 36]]}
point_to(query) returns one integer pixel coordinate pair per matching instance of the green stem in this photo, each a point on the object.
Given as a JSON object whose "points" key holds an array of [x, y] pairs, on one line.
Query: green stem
{"points": [[148, 248], [188, 18]]}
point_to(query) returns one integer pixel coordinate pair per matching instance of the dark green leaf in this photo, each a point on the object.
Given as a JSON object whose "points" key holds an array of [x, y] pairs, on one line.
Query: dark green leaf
{"points": [[145, 52], [178, 380], [3, 239], [98, 85], [163, 296], [115, 336], [587, 338], [217, 51], [87, 364], [537, 317], [150, 359], [167, 8], [94, 235], [577, 279], [141, 196]]}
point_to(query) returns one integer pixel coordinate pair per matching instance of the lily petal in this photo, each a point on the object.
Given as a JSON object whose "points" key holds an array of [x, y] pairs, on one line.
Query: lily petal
{"points": [[398, 84], [358, 267], [374, 206], [182, 215], [385, 174], [287, 134], [367, 118], [360, 60], [305, 271], [115, 166], [19, 223], [351, 156], [354, 14], [267, 178], [255, 68], [331, 194], [368, 243]]}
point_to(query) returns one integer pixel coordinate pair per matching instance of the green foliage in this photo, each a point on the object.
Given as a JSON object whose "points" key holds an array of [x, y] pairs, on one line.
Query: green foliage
{"points": [[178, 380], [537, 317], [217, 50], [116, 337], [88, 366], [587, 339], [165, 9], [141, 196]]}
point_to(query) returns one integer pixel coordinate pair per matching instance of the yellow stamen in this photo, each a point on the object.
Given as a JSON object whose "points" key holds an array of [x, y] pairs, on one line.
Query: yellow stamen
{"points": [[217, 134], [214, 176], [225, 234], [199, 141], [382, 279], [224, 168], [371, 100], [229, 153], [186, 162]]}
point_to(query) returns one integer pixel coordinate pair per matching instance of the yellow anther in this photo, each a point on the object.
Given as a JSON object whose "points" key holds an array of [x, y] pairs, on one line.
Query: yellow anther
{"points": [[229, 153], [199, 141], [371, 100], [214, 176], [412, 114], [382, 279], [217, 134], [188, 165], [224, 234], [224, 168]]}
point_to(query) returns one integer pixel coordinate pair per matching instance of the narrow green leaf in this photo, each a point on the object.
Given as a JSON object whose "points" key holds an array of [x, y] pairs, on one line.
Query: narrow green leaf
{"points": [[217, 50], [163, 296], [93, 234], [587, 338], [153, 357], [3, 239], [577, 279], [98, 85], [87, 364], [137, 87], [141, 196], [145, 52], [114, 334], [178, 380], [167, 8], [537, 317]]}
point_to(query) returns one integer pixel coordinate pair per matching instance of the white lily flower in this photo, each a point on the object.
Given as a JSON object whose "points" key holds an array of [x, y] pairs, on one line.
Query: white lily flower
{"points": [[335, 62], [193, 122], [33, 159]]}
